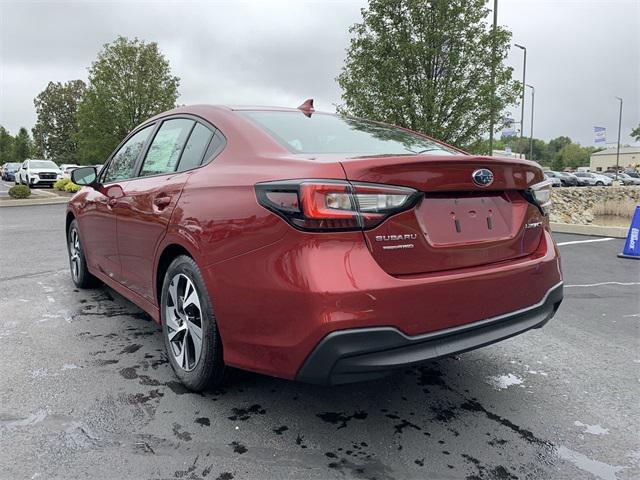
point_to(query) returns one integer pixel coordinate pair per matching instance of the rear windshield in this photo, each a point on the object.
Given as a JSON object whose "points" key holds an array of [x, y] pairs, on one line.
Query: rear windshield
{"points": [[42, 164], [325, 133]]}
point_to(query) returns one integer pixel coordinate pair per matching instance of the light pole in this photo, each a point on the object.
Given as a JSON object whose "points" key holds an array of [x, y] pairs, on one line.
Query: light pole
{"points": [[524, 73], [618, 150], [493, 76], [533, 102]]}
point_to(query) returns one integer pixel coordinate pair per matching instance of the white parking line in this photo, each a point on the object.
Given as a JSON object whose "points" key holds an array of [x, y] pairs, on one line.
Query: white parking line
{"points": [[623, 284], [586, 241]]}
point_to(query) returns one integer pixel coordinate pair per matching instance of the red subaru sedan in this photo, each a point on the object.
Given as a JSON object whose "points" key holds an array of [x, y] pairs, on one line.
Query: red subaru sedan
{"points": [[313, 246]]}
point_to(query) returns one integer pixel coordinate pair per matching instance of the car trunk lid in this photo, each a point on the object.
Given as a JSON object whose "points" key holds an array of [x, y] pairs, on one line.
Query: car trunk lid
{"points": [[456, 223]]}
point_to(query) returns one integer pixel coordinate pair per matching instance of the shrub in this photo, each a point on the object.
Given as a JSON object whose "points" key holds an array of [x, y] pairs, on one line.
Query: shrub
{"points": [[71, 187], [19, 191], [61, 184]]}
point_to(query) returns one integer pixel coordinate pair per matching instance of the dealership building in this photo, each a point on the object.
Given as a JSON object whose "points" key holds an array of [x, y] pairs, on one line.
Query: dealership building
{"points": [[606, 159]]}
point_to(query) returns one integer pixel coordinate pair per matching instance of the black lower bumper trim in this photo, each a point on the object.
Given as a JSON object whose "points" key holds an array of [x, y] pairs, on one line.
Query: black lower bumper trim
{"points": [[353, 355]]}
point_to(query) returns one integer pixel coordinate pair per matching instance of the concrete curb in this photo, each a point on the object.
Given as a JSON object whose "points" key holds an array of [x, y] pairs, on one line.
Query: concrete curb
{"points": [[593, 230], [34, 201]]}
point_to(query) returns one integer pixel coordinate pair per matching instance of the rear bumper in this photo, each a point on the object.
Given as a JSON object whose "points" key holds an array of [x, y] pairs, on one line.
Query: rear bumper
{"points": [[367, 353], [276, 305]]}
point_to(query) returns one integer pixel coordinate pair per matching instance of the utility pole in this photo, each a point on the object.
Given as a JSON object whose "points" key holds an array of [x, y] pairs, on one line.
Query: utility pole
{"points": [[493, 76], [524, 73], [618, 150], [533, 102]]}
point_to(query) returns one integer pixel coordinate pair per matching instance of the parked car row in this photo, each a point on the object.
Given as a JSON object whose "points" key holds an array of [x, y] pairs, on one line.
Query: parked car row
{"points": [[625, 178], [582, 179], [33, 172], [8, 171], [38, 172]]}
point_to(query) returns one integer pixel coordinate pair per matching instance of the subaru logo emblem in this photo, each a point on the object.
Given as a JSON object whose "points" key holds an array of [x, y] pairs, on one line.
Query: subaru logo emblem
{"points": [[482, 177]]}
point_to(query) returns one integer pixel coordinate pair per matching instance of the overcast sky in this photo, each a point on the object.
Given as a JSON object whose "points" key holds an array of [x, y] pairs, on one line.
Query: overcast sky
{"points": [[581, 53]]}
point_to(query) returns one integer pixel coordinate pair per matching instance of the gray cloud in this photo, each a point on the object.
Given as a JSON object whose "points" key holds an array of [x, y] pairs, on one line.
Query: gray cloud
{"points": [[581, 53]]}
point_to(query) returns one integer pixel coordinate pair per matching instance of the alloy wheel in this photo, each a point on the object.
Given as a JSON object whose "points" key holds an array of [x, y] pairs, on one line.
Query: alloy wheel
{"points": [[74, 253], [184, 322]]}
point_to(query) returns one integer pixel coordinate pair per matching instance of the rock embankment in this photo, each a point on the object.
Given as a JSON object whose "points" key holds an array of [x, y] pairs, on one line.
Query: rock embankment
{"points": [[579, 205]]}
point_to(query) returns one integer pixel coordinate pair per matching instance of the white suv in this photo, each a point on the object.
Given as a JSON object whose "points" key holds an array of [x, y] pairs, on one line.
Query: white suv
{"points": [[38, 172]]}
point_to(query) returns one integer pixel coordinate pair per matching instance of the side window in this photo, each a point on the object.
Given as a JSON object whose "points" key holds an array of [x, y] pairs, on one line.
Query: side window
{"points": [[195, 147], [123, 162], [215, 146], [166, 147]]}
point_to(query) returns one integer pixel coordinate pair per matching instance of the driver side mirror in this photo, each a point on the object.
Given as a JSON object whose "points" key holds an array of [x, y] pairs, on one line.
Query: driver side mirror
{"points": [[85, 176]]}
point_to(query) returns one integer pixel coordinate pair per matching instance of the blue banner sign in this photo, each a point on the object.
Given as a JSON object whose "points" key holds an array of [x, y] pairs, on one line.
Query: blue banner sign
{"points": [[599, 134]]}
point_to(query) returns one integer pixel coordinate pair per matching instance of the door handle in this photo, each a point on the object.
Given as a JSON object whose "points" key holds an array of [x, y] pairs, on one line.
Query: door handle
{"points": [[161, 201]]}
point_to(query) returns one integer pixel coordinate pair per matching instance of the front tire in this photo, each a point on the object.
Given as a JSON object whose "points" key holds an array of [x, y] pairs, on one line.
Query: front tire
{"points": [[599, 184], [77, 261], [189, 328]]}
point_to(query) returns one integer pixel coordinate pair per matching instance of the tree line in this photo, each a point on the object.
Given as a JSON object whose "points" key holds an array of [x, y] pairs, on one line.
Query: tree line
{"points": [[129, 82], [16, 148], [436, 67], [559, 153]]}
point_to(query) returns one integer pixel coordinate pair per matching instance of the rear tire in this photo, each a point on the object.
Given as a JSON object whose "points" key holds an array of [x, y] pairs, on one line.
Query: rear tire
{"points": [[77, 261], [189, 328]]}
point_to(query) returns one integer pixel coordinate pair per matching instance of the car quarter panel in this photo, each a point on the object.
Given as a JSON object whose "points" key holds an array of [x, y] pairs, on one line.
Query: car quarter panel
{"points": [[218, 216]]}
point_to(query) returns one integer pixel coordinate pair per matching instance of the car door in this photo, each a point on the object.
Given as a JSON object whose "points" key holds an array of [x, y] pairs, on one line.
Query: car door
{"points": [[97, 216], [148, 200]]}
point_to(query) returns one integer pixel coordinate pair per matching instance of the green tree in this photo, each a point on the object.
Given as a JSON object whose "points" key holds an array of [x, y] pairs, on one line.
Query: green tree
{"points": [[539, 151], [573, 155], [6, 146], [557, 144], [129, 82], [56, 128], [427, 66], [558, 164], [22, 145], [635, 133]]}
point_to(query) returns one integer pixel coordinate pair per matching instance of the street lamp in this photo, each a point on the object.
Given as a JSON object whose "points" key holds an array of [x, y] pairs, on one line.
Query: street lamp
{"points": [[619, 127], [524, 72], [533, 100]]}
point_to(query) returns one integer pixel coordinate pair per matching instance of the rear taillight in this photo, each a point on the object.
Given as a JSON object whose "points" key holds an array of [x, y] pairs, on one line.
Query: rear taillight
{"points": [[334, 204], [540, 195]]}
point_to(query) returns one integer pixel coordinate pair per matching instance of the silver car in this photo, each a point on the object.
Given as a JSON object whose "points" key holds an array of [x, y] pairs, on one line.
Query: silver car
{"points": [[623, 177], [555, 181], [593, 179]]}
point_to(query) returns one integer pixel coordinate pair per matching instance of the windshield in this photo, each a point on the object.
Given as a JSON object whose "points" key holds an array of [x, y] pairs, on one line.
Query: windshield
{"points": [[325, 133], [42, 164], [12, 166]]}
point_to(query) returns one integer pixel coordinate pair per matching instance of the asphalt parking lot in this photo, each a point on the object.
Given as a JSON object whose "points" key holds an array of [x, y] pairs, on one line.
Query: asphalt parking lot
{"points": [[86, 391]]}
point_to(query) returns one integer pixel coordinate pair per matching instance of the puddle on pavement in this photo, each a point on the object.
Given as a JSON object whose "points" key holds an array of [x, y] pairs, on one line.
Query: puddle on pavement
{"points": [[600, 470]]}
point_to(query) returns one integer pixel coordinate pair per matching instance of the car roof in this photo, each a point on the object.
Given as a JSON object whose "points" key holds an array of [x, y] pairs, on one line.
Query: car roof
{"points": [[233, 124]]}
